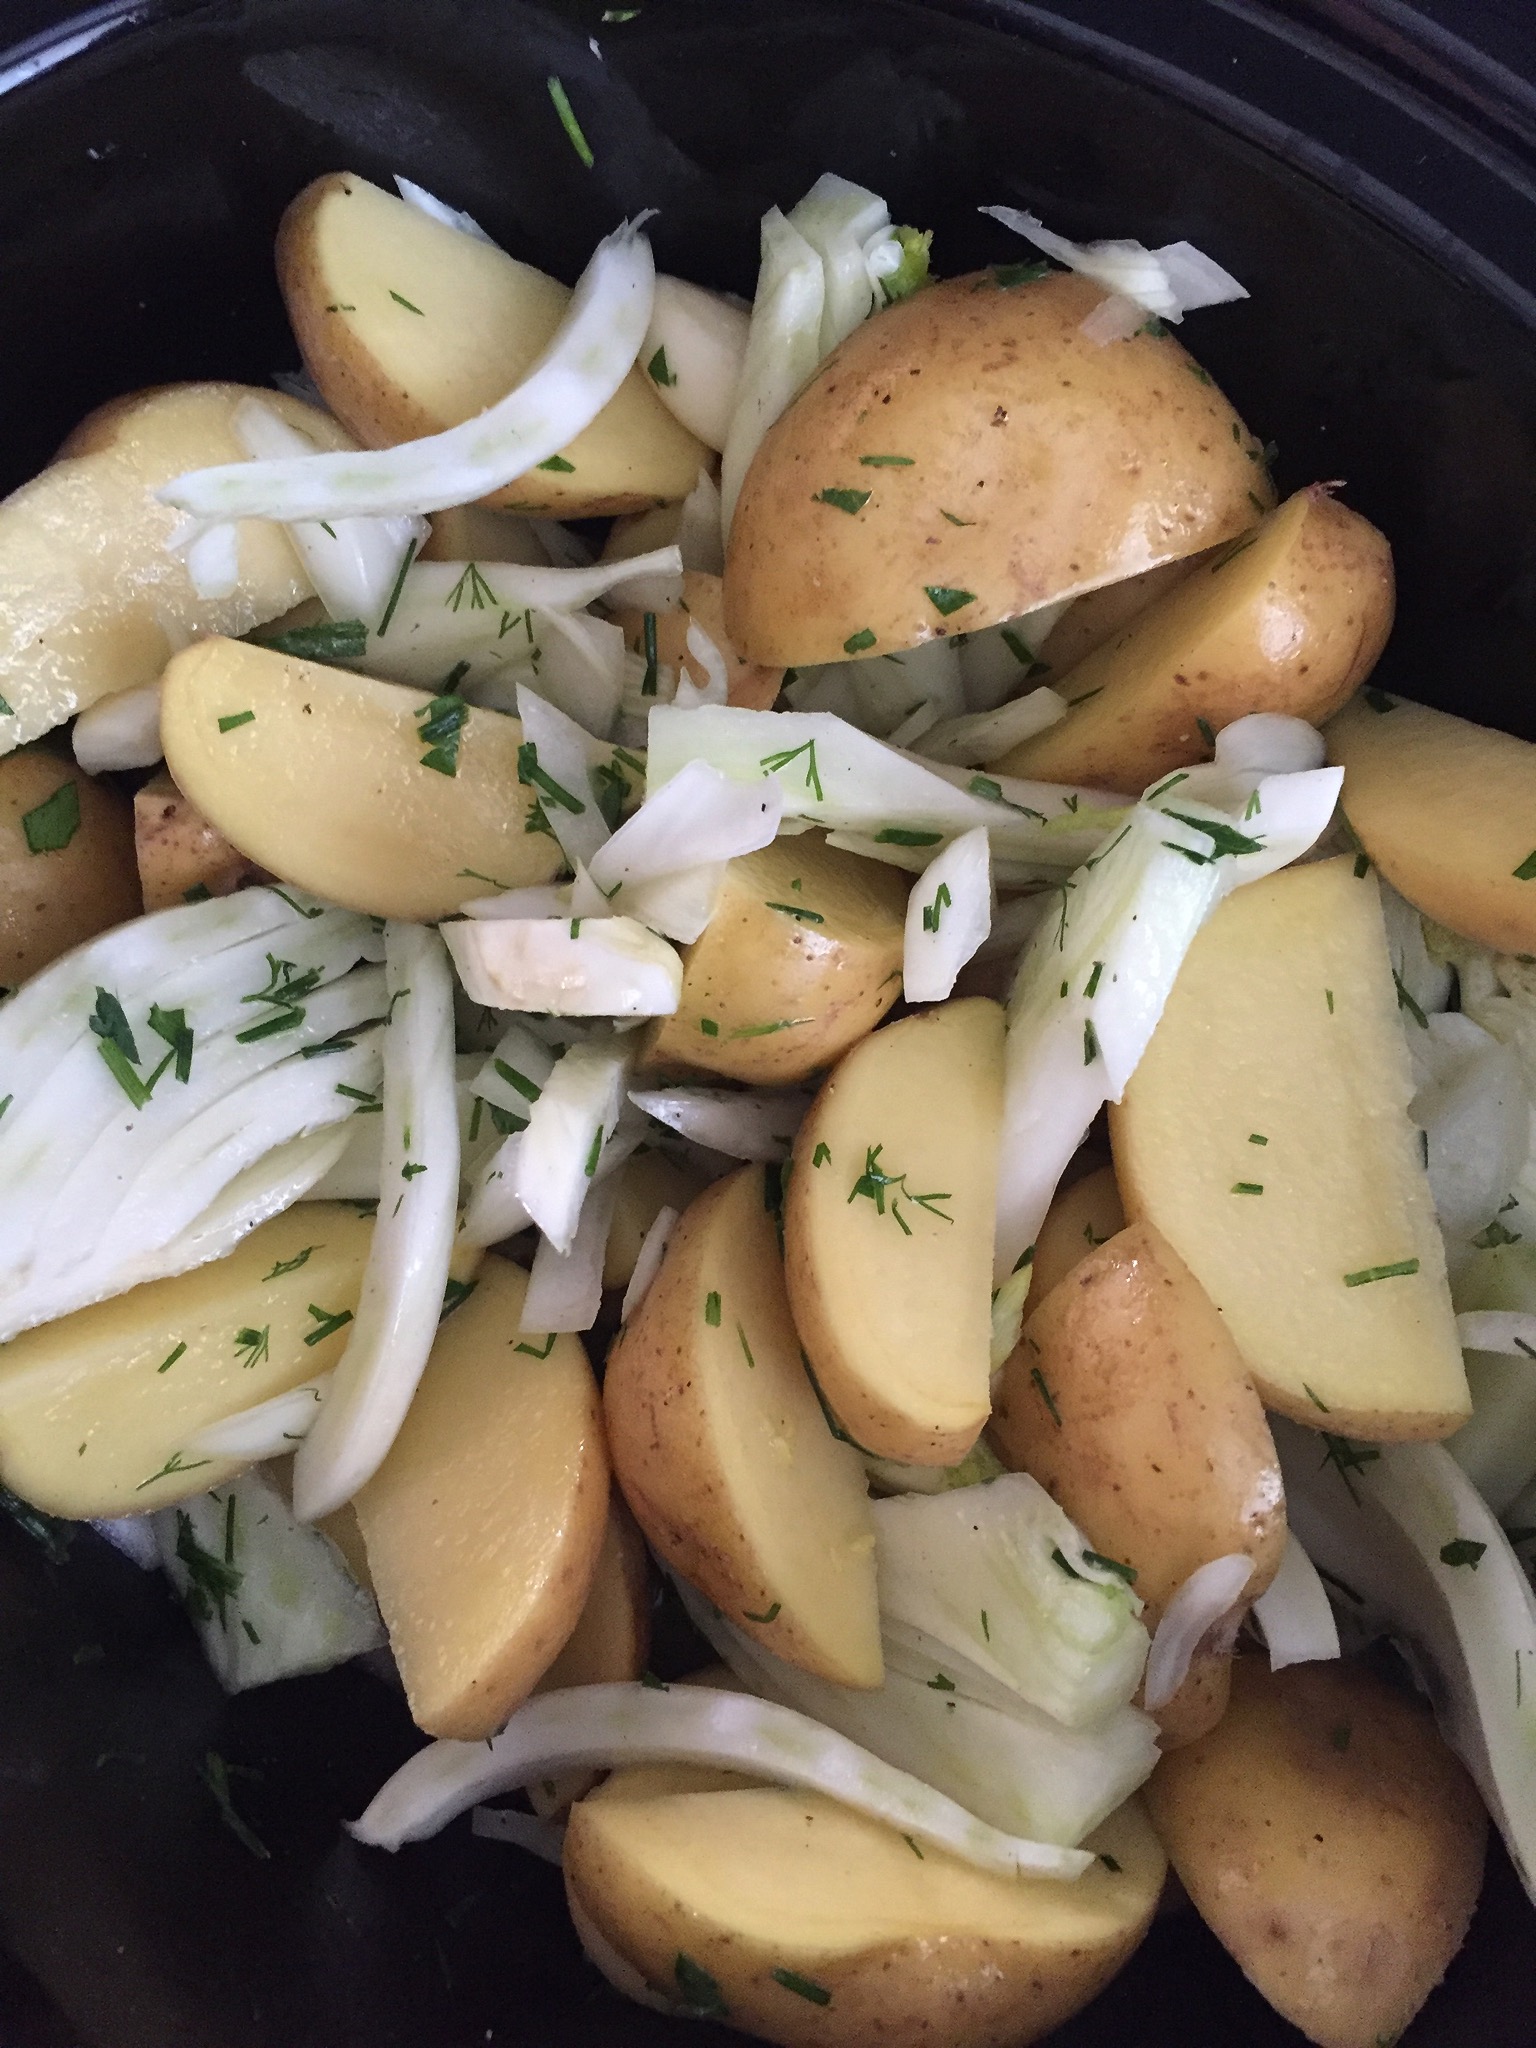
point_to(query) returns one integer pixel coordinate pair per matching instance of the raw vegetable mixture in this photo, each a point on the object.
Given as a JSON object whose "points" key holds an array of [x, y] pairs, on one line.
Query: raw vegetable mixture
{"points": [[666, 822]]}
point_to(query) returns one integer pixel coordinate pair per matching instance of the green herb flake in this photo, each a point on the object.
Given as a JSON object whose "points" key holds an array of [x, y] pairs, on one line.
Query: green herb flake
{"points": [[941, 1683], [595, 1153], [455, 1294], [886, 461], [1379, 701], [537, 1350], [874, 1182], [1403, 1269], [440, 728], [1009, 276], [946, 599], [1037, 1380], [768, 1614], [712, 1310], [1090, 1043], [1111, 1564], [326, 1324], [1316, 1399], [1328, 994], [216, 1774], [1257, 1138], [559, 465], [1526, 872], [822, 1156], [237, 718], [803, 1987], [898, 835], [1465, 1550], [1247, 1187], [212, 1581], [698, 1990], [1346, 1457], [844, 501], [1406, 1002], [658, 369], [916, 1851], [532, 776], [560, 100], [857, 642], [934, 911], [179, 1352], [709, 1027], [798, 912], [198, 893], [400, 300], [174, 1465], [1060, 1559], [1108, 1861], [52, 824], [411, 1168], [746, 1348], [252, 1346], [1203, 727]]}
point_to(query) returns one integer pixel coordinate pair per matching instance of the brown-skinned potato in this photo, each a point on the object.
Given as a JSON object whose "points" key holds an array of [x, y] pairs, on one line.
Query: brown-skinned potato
{"points": [[60, 894], [748, 683], [178, 850]]}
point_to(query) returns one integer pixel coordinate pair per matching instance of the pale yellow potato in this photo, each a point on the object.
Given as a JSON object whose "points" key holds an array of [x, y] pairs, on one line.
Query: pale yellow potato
{"points": [[648, 1183], [474, 533], [409, 327], [1081, 1217], [1289, 619], [1034, 465], [319, 779], [638, 533], [485, 1523], [1330, 1841], [1098, 615], [180, 855], [913, 1950], [1447, 811], [747, 683], [801, 959], [62, 895], [888, 1224], [97, 1410], [1283, 1026], [722, 1450], [612, 1638], [91, 601]]}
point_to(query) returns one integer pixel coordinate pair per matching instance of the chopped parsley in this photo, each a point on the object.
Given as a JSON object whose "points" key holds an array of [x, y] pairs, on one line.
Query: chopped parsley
{"points": [[1526, 872], [401, 300], [1403, 1269], [712, 1310], [326, 1323], [844, 501], [559, 465], [532, 776], [658, 369], [236, 718], [52, 824], [1465, 1550], [252, 1346], [857, 642], [698, 1989], [768, 1614], [946, 599], [822, 1155], [803, 1987], [440, 727], [874, 1183]]}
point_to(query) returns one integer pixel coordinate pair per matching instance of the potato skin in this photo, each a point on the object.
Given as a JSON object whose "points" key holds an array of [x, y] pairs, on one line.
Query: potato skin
{"points": [[1330, 1841], [1290, 619], [50, 902], [1080, 1219], [178, 850], [757, 964], [1060, 465]]}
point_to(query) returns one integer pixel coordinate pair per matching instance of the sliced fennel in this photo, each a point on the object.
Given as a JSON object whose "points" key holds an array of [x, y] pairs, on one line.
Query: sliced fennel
{"points": [[565, 1288], [1204, 1609], [648, 1260], [1472, 1106], [783, 347], [598, 1726], [268, 1597], [980, 1463], [1295, 1614], [568, 1126], [268, 1430], [408, 1260], [591, 353], [566, 967], [560, 768], [949, 914], [983, 736], [438, 210], [1168, 282], [746, 1123], [698, 817], [850, 229], [1093, 979]]}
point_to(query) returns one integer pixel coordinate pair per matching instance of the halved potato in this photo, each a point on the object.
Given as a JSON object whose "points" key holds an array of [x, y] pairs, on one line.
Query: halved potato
{"points": [[1447, 811], [474, 533], [747, 682], [320, 777], [801, 958], [723, 1452], [180, 855], [97, 1410], [1330, 1841], [91, 601], [66, 861], [968, 455], [888, 1224], [485, 1522], [612, 1638], [1291, 619], [1082, 1216], [409, 327], [803, 1922], [1266, 1135], [1099, 615], [649, 1183]]}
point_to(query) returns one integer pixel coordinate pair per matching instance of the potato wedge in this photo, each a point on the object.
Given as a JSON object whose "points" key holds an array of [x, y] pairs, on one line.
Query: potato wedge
{"points": [[1447, 811], [722, 1450], [1266, 1135], [805, 1923], [319, 777], [1081, 1218], [748, 683], [612, 1638], [474, 533], [1099, 615], [649, 1183], [91, 601], [485, 1523], [180, 855], [409, 327], [1291, 618], [888, 1222], [968, 456], [801, 959], [66, 861], [1330, 1841], [97, 1409]]}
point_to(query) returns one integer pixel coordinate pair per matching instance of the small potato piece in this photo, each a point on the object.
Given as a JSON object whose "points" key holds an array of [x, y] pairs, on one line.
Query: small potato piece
{"points": [[1266, 1135], [79, 881], [1447, 811], [1330, 1841], [1098, 615], [747, 683], [318, 777], [649, 1183], [179, 853], [1156, 1445], [888, 1224], [1080, 1219], [91, 600], [724, 1455], [97, 1409], [1290, 619], [473, 533], [409, 327], [820, 1927], [485, 1522], [801, 959], [612, 1639], [1008, 460]]}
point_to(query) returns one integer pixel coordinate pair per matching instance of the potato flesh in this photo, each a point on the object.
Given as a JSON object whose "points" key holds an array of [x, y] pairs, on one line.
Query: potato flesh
{"points": [[178, 851], [612, 1638], [649, 1183], [1153, 1441], [912, 1949], [892, 1295], [1447, 811], [801, 959], [484, 1524], [95, 1404], [409, 327], [723, 1453], [91, 601], [1034, 465], [324, 785], [1291, 619], [1080, 1218], [1283, 1025], [58, 898], [1330, 1841]]}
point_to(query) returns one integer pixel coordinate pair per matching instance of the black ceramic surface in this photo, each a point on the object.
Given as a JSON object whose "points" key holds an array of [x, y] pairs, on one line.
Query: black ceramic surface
{"points": [[1387, 343]]}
